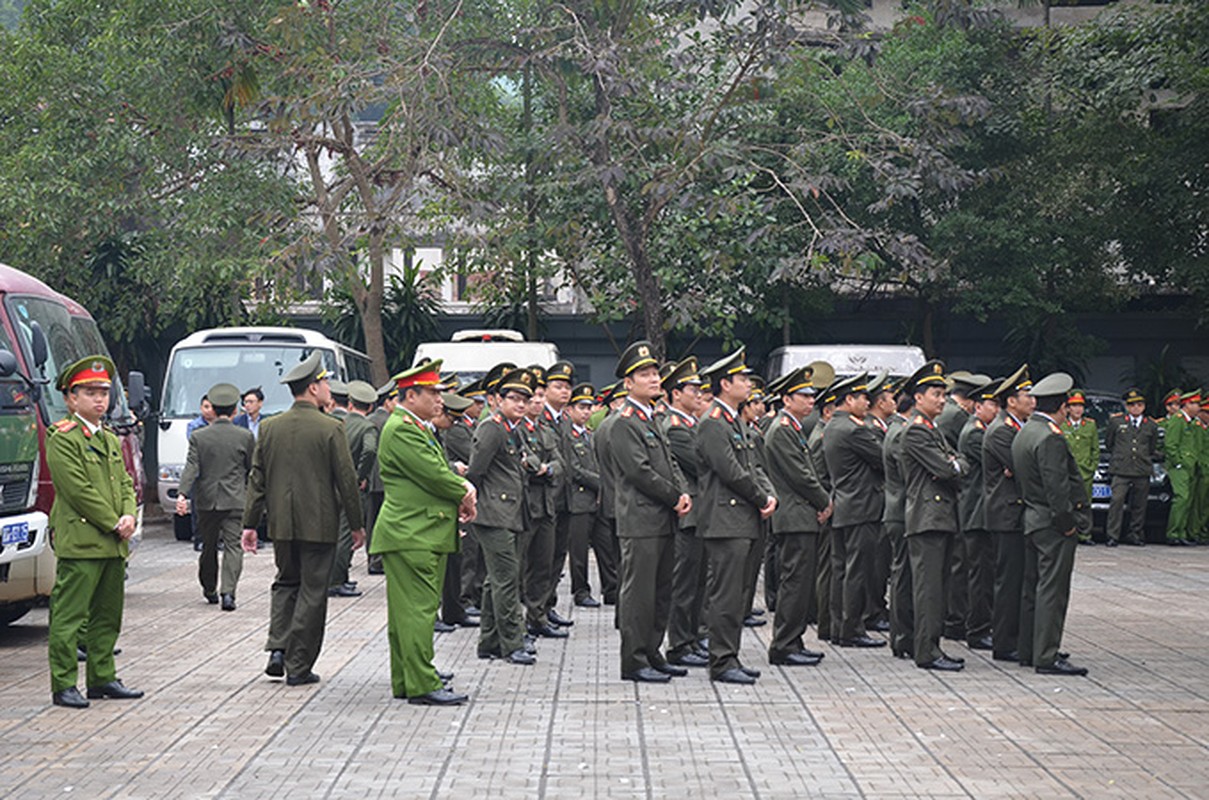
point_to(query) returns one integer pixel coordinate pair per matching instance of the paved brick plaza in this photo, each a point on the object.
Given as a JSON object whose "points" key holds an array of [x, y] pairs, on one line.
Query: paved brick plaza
{"points": [[861, 725]]}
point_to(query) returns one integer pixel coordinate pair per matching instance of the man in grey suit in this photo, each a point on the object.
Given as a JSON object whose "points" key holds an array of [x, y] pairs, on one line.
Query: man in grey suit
{"points": [[303, 476], [737, 497], [216, 478]]}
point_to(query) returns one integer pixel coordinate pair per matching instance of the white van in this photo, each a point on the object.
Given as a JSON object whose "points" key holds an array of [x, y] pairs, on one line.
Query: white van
{"points": [[847, 359], [247, 358], [471, 353]]}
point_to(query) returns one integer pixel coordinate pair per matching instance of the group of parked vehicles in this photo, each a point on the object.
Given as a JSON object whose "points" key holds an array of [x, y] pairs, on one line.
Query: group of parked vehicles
{"points": [[42, 330]]}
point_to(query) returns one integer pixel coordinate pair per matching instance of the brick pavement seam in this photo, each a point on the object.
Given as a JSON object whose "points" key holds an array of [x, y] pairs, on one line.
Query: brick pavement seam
{"points": [[734, 738], [544, 779], [642, 748]]}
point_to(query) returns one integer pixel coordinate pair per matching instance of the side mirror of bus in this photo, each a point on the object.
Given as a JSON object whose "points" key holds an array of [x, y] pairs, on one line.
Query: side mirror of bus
{"points": [[8, 364], [37, 344], [136, 390]]}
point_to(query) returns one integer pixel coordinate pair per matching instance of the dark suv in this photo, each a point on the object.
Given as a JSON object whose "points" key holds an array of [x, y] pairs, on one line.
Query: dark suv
{"points": [[1100, 406]]}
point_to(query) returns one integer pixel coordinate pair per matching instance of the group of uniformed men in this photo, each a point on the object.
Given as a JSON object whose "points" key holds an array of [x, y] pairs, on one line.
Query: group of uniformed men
{"points": [[958, 495]]}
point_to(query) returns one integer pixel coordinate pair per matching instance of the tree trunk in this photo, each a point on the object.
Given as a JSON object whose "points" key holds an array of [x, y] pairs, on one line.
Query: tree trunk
{"points": [[370, 305]]}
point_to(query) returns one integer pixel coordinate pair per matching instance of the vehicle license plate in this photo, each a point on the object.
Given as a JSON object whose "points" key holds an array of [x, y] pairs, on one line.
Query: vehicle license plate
{"points": [[16, 533], [1101, 491]]}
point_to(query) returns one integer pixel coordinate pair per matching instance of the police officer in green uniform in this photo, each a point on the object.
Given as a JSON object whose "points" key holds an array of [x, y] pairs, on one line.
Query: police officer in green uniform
{"points": [[1003, 511], [559, 377], [473, 570], [803, 506], [957, 410], [1056, 509], [971, 504], [894, 523], [736, 497], [1134, 445], [387, 397], [416, 532], [541, 457], [303, 477], [932, 472], [1084, 441], [606, 518], [824, 413], [216, 478], [583, 499], [456, 441], [362, 436], [1182, 446], [92, 520], [649, 495], [495, 470]]}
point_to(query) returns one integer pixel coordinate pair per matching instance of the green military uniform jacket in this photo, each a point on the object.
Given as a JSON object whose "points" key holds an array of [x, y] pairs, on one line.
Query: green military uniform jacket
{"points": [[681, 432], [932, 473], [892, 461], [217, 467], [377, 418], [420, 510], [1084, 442], [951, 420], [556, 428], [854, 460], [541, 446], [458, 441], [303, 475], [1132, 450], [92, 491], [971, 504], [495, 470], [583, 474], [362, 438], [649, 483], [1050, 483], [608, 470], [1182, 443], [732, 486], [1003, 508], [800, 493], [814, 440]]}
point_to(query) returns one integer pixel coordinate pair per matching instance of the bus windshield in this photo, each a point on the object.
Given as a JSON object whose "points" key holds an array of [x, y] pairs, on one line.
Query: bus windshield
{"points": [[195, 369], [69, 339]]}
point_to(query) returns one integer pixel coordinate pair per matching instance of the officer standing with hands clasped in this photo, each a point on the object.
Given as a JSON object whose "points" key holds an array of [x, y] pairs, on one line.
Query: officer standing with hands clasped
{"points": [[303, 475], [216, 478], [93, 520], [1133, 444], [415, 532]]}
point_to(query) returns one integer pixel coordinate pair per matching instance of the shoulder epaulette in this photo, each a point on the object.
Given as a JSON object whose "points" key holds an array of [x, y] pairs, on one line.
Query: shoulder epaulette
{"points": [[717, 412], [1054, 428], [1011, 421], [675, 421], [1118, 414], [628, 411], [856, 420], [979, 425], [64, 425], [920, 419], [785, 421]]}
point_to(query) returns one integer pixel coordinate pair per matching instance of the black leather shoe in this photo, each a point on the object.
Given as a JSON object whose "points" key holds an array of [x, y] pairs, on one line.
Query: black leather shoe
{"points": [[646, 675], [756, 612], [610, 600], [881, 626], [548, 632], [228, 602], [752, 621], [1014, 655], [197, 547], [735, 675], [751, 671], [276, 666], [904, 654], [488, 654], [671, 670], [588, 602], [944, 664], [114, 690], [439, 626], [1111, 543], [376, 571], [558, 619], [69, 698], [982, 644], [211, 598], [470, 622], [954, 659], [302, 680], [473, 611], [343, 590], [795, 659], [1059, 667], [522, 657], [862, 641], [692, 659], [441, 697], [530, 645], [445, 677]]}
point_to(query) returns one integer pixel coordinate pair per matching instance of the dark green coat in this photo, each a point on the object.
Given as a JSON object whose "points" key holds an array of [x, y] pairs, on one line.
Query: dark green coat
{"points": [[1003, 508], [814, 440], [681, 431], [557, 428], [541, 446], [1132, 451], [1053, 491], [92, 491], [732, 486], [362, 436], [608, 470], [378, 418], [800, 493], [649, 483], [892, 454], [951, 420], [583, 473], [217, 467], [932, 473], [854, 461], [495, 470], [972, 503], [303, 475], [458, 440]]}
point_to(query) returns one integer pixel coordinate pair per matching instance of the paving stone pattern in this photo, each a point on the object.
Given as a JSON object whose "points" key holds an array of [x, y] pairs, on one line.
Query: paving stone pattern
{"points": [[862, 724]]}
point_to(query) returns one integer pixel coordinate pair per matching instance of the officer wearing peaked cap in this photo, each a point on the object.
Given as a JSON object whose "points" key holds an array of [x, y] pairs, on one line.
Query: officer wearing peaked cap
{"points": [[824, 412], [388, 395], [559, 377], [1083, 438], [1134, 445], [305, 506], [650, 494], [583, 501], [601, 424], [1182, 445], [1056, 509], [932, 474], [979, 545], [738, 496], [93, 519], [957, 410], [894, 516], [362, 437]]}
